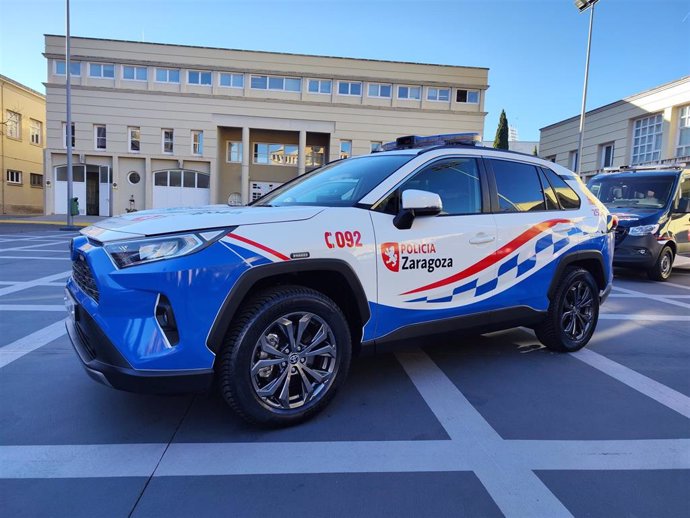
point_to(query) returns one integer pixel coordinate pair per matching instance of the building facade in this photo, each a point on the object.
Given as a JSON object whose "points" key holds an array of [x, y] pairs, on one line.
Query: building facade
{"points": [[22, 138], [647, 128], [159, 125]]}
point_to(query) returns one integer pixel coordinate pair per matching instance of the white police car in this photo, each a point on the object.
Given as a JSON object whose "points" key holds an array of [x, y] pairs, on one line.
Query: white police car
{"points": [[271, 300]]}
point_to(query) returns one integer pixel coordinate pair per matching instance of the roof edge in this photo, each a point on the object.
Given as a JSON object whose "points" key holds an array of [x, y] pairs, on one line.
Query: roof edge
{"points": [[22, 86]]}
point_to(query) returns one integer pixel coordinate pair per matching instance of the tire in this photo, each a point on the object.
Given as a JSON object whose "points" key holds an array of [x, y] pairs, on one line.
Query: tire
{"points": [[663, 266], [270, 380], [573, 312]]}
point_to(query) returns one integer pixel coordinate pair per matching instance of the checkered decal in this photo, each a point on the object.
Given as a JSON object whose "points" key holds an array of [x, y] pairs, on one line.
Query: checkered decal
{"points": [[515, 267]]}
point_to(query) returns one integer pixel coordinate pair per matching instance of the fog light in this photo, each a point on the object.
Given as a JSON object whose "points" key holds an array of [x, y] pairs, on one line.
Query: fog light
{"points": [[642, 251], [166, 320]]}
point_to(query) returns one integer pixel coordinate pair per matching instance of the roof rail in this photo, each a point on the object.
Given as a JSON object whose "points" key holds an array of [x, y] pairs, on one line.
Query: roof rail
{"points": [[416, 142], [648, 167]]}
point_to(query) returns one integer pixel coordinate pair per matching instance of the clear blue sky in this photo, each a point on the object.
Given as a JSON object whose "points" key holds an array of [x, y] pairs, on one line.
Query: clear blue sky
{"points": [[535, 49]]}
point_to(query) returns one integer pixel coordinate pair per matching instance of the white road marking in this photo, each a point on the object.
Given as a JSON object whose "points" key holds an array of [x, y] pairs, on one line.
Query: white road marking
{"points": [[660, 393], [650, 318], [29, 343], [659, 298], [32, 307], [645, 296], [681, 286], [31, 247], [34, 257], [19, 286]]}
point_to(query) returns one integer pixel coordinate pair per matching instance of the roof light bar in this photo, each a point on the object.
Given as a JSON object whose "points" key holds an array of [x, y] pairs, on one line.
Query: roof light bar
{"points": [[415, 141]]}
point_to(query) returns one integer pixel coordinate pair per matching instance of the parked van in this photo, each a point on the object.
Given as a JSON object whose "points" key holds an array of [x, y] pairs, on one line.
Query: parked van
{"points": [[653, 209]]}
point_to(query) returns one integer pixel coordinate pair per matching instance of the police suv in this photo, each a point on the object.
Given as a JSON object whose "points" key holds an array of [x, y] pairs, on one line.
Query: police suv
{"points": [[272, 300]]}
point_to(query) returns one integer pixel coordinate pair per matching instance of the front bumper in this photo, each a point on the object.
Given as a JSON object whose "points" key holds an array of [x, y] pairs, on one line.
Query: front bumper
{"points": [[637, 251], [105, 364]]}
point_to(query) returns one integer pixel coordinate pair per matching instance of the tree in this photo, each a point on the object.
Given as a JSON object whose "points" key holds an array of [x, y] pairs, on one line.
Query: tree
{"points": [[534, 151], [501, 140]]}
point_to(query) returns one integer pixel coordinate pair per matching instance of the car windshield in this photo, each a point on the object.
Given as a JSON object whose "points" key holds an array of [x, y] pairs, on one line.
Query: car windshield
{"points": [[339, 184], [645, 192]]}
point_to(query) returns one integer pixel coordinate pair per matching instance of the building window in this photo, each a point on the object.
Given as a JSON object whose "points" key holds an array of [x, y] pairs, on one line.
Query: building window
{"points": [[36, 180], [195, 77], [106, 71], [376, 146], [131, 73], [345, 148], [572, 160], [36, 131], [134, 138], [409, 92], [275, 154], [13, 125], [74, 66], [438, 94], [314, 156], [319, 86], [647, 139], [99, 136], [379, 90], [551, 158], [232, 80], [606, 155], [14, 177], [64, 135], [287, 84], [133, 177], [349, 88], [197, 142], [167, 75], [234, 152], [683, 148], [467, 96], [168, 136]]}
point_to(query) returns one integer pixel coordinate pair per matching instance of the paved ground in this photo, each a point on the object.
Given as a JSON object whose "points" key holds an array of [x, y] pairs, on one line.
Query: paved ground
{"points": [[464, 426]]}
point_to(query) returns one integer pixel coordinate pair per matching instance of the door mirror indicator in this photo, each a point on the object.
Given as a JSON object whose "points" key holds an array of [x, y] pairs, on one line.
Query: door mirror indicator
{"points": [[417, 203]]}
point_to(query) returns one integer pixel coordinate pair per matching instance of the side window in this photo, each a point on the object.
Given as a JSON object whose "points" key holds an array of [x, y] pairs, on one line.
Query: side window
{"points": [[455, 180], [549, 193], [518, 186], [567, 197], [684, 189]]}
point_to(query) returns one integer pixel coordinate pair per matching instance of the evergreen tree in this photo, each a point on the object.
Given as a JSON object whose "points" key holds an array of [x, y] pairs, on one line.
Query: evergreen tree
{"points": [[501, 140], [534, 151]]}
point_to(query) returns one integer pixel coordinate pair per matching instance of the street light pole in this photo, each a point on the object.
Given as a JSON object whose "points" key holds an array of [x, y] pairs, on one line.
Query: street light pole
{"points": [[583, 5], [68, 129]]}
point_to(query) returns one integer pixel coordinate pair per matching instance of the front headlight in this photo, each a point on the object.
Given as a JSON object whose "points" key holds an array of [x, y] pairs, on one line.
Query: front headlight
{"points": [[139, 251], [643, 230]]}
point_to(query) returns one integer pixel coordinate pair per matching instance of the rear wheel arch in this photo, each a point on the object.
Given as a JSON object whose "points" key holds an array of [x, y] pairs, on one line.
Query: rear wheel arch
{"points": [[333, 277]]}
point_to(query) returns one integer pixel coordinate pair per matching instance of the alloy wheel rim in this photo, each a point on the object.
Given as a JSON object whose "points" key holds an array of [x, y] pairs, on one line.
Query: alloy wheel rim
{"points": [[578, 311], [666, 265], [294, 361]]}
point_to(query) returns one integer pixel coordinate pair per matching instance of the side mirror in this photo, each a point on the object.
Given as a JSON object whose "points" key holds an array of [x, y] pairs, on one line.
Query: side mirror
{"points": [[417, 203], [683, 206]]}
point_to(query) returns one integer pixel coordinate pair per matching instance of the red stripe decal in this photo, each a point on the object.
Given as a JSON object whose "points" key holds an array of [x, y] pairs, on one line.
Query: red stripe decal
{"points": [[493, 258], [259, 246]]}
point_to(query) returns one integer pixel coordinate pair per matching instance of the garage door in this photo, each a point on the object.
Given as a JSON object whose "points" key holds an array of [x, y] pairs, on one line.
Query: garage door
{"points": [[180, 188]]}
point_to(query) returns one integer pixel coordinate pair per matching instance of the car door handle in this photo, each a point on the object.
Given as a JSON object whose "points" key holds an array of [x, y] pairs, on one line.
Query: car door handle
{"points": [[482, 238]]}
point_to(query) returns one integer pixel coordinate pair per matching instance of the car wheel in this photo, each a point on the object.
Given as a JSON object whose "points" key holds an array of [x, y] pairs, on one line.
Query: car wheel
{"points": [[661, 270], [573, 312], [285, 356]]}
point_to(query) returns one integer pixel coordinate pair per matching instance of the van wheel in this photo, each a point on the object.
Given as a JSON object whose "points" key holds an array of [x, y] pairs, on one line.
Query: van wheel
{"points": [[573, 312], [285, 356], [661, 270]]}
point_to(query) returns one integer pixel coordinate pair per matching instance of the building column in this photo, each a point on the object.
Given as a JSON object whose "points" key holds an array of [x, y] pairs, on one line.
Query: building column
{"points": [[245, 165], [301, 149], [148, 184]]}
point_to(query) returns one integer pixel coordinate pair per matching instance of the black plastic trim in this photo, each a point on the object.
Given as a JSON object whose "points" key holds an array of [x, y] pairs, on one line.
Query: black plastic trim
{"points": [[249, 278], [484, 322], [571, 258]]}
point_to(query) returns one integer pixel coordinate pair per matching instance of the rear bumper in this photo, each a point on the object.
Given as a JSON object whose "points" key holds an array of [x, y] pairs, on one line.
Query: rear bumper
{"points": [[105, 364]]}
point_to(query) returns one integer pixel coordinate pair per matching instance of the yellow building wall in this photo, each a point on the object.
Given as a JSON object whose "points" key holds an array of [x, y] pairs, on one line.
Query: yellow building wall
{"points": [[21, 154]]}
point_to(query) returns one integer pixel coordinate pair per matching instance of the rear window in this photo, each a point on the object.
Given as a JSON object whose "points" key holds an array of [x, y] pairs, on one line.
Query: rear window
{"points": [[567, 197]]}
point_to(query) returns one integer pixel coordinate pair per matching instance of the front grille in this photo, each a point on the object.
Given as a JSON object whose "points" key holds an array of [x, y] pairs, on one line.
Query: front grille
{"points": [[83, 276], [621, 232]]}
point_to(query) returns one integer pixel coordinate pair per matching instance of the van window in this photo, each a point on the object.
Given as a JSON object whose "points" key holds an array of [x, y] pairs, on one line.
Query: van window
{"points": [[684, 189], [650, 191]]}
